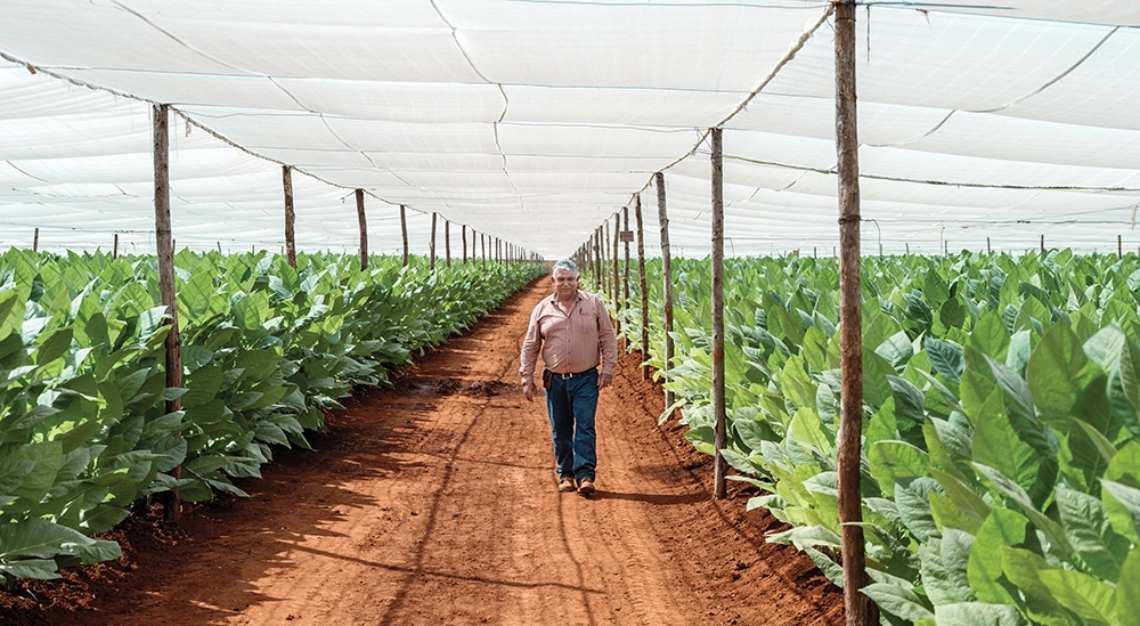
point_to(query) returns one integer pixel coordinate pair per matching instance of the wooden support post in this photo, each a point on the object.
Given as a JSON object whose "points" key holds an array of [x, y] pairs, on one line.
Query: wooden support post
{"points": [[989, 250], [625, 277], [404, 231], [363, 221], [1042, 243], [720, 431], [1119, 247], [667, 281], [115, 246], [642, 286], [815, 252], [859, 608], [463, 237], [483, 246], [290, 243], [36, 239], [616, 264], [605, 243], [447, 242], [220, 248], [597, 260], [168, 297], [431, 244], [908, 248]]}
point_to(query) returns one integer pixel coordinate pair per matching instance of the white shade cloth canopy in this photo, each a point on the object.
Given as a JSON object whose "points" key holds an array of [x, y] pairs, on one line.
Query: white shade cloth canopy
{"points": [[535, 120]]}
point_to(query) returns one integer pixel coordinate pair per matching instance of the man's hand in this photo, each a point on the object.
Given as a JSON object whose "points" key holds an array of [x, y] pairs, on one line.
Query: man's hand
{"points": [[528, 389], [605, 380]]}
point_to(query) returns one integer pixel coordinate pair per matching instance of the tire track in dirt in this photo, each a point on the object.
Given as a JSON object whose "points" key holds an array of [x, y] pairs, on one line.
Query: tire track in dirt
{"points": [[435, 503]]}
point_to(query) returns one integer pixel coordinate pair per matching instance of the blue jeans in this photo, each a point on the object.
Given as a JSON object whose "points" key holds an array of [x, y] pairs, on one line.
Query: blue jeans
{"points": [[571, 404]]}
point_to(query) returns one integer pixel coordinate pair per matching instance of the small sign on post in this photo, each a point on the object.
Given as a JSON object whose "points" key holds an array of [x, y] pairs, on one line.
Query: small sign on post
{"points": [[627, 235]]}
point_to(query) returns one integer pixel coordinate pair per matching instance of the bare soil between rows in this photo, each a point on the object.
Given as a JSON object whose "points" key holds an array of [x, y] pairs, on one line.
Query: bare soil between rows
{"points": [[434, 503]]}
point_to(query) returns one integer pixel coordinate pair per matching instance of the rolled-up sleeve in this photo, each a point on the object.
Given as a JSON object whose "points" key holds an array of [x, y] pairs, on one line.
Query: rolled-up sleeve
{"points": [[531, 344], [607, 341]]}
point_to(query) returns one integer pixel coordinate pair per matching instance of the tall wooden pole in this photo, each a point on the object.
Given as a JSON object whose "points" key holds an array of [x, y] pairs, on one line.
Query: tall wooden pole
{"points": [[404, 231], [605, 243], [115, 247], [595, 241], [36, 239], [165, 250], [860, 610], [989, 250], [616, 281], [363, 221], [667, 280], [431, 244], [290, 243], [625, 277], [719, 438], [1042, 243], [641, 286], [1119, 247], [463, 237], [483, 246], [447, 242]]}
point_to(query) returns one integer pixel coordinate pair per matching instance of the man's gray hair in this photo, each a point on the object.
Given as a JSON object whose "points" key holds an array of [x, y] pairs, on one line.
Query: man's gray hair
{"points": [[564, 265]]}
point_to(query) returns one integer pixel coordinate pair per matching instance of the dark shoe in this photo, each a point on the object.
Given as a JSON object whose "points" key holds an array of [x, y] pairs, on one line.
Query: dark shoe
{"points": [[586, 487], [566, 484]]}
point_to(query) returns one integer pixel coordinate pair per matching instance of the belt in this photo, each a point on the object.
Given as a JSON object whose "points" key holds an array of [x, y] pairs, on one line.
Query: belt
{"points": [[568, 376]]}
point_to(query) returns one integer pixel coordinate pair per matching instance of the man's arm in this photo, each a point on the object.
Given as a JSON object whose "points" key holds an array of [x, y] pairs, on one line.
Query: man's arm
{"points": [[528, 358], [607, 345]]}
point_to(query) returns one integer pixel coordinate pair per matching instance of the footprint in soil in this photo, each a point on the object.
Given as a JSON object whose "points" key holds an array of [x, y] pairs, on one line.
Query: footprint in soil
{"points": [[486, 388], [448, 386]]}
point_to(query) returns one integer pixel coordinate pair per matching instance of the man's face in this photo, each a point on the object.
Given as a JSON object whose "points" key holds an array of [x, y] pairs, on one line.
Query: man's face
{"points": [[565, 283]]}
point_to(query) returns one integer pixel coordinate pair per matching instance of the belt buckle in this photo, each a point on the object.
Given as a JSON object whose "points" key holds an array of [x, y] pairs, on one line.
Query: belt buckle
{"points": [[565, 375]]}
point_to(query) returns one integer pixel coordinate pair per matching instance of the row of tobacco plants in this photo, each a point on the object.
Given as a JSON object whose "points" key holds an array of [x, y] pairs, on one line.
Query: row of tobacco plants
{"points": [[1001, 459], [266, 350]]}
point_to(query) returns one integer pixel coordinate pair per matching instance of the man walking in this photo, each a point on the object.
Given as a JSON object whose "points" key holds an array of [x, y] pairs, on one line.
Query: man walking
{"points": [[572, 329]]}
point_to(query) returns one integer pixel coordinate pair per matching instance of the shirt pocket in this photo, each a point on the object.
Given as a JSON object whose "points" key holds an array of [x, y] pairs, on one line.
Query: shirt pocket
{"points": [[585, 321]]}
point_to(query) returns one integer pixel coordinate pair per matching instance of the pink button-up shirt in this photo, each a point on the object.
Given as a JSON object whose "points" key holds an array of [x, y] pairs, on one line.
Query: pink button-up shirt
{"points": [[571, 341]]}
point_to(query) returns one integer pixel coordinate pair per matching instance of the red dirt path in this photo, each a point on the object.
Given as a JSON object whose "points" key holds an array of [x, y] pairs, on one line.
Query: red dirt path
{"points": [[434, 503]]}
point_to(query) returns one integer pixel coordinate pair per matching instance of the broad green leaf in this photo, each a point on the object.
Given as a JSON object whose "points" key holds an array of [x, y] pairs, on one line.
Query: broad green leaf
{"points": [[1089, 533], [977, 614], [1123, 506], [1127, 598], [1056, 372], [912, 497], [1091, 599], [984, 568], [944, 568], [996, 444], [894, 461], [898, 601]]}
